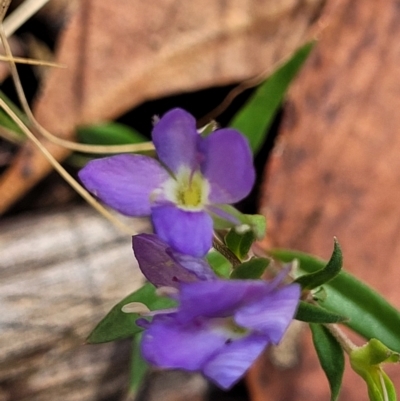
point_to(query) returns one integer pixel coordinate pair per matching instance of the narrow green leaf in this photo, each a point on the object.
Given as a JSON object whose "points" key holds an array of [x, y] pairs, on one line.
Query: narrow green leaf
{"points": [[219, 264], [139, 366], [256, 116], [330, 271], [240, 243], [7, 121], [253, 269], [109, 134], [117, 324], [369, 313], [309, 313], [331, 357]]}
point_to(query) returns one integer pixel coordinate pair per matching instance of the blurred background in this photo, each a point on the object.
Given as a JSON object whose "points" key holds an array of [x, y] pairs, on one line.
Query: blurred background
{"points": [[329, 165]]}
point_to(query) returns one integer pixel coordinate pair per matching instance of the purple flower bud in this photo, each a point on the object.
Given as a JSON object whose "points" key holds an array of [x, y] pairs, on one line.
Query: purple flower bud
{"points": [[164, 267]]}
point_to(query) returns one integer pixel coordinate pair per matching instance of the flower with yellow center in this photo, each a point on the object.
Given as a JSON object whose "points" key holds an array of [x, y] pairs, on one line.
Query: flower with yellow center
{"points": [[178, 191]]}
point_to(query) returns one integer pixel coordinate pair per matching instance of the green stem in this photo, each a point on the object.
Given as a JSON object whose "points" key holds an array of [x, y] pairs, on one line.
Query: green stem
{"points": [[341, 337]]}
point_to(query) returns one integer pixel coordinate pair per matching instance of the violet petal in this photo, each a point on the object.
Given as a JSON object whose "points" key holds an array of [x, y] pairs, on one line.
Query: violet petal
{"points": [[218, 298], [156, 264], [124, 182], [227, 165], [197, 266], [175, 139], [272, 314], [186, 232], [233, 360], [168, 344]]}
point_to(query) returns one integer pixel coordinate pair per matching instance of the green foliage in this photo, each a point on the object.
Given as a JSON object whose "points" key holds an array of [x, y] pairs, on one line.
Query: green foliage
{"points": [[322, 276], [307, 312], [109, 134], [254, 222], [366, 361], [117, 324], [253, 269], [139, 366], [7, 122], [330, 355], [240, 243], [219, 264], [256, 116], [369, 313]]}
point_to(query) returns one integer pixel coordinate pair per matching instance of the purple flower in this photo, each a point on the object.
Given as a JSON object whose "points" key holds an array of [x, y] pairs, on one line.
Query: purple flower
{"points": [[194, 174], [220, 327], [164, 267]]}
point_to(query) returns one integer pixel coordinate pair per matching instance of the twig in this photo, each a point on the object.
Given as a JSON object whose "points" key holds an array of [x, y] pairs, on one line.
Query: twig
{"points": [[20, 15], [3, 8], [31, 61]]}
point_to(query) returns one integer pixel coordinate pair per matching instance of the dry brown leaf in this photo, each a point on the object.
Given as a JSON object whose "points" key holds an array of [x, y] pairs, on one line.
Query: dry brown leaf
{"points": [[121, 54], [335, 171]]}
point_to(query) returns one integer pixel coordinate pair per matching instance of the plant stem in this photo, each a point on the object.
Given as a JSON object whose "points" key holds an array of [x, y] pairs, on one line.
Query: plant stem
{"points": [[224, 251], [341, 337]]}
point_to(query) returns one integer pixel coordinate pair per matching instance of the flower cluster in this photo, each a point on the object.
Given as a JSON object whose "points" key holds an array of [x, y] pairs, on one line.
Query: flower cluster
{"points": [[219, 326]]}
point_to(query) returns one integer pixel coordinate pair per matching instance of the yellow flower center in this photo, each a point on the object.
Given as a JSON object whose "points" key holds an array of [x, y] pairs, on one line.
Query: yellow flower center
{"points": [[188, 190]]}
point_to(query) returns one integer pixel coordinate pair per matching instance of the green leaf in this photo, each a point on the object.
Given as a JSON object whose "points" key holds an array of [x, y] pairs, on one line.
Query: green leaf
{"points": [[330, 355], [117, 324], [253, 269], [369, 313], [309, 313], [246, 222], [7, 121], [256, 116], [240, 243], [219, 264], [330, 271], [109, 134], [139, 366]]}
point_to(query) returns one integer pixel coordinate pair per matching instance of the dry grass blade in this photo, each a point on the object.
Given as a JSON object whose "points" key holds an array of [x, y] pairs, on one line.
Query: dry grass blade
{"points": [[30, 61], [20, 15], [3, 8]]}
